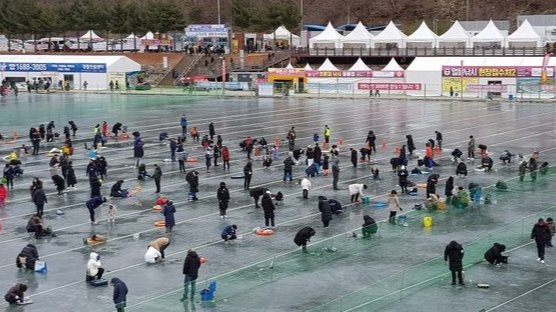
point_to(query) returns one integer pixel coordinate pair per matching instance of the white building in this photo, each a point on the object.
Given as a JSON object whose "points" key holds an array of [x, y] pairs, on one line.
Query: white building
{"points": [[71, 70]]}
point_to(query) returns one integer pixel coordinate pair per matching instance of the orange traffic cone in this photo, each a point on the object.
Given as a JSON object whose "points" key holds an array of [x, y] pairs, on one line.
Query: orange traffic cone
{"points": [[341, 141], [397, 149], [384, 145], [324, 146]]}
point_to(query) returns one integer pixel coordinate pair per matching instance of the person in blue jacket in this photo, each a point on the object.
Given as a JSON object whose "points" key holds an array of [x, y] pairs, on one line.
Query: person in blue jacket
{"points": [[119, 296], [229, 232], [183, 124]]}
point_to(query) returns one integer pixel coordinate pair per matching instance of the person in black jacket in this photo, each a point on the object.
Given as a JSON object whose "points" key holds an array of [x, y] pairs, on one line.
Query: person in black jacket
{"points": [[247, 174], [117, 191], [157, 176], [16, 294], [119, 296], [410, 144], [353, 154], [93, 204], [95, 184], [192, 177], [39, 198], [461, 169], [288, 166], [494, 254], [191, 267], [212, 132], [60, 183], [369, 226], [431, 184], [402, 179], [256, 193], [454, 254], [73, 127], [223, 196], [117, 127], [541, 234], [35, 225], [268, 208], [303, 236], [325, 210], [371, 140], [438, 139], [449, 190], [27, 257]]}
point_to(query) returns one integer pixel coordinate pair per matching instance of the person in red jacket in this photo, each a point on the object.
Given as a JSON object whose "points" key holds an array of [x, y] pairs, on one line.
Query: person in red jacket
{"points": [[225, 157], [3, 195]]}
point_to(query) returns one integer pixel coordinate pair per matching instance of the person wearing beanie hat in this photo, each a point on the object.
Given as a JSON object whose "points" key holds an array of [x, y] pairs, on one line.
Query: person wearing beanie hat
{"points": [[223, 196]]}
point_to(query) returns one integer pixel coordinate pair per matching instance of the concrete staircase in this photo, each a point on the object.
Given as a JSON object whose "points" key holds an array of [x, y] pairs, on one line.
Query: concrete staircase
{"points": [[181, 68]]}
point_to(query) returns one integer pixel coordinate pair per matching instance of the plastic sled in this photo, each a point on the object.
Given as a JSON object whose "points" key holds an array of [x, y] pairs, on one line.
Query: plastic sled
{"points": [[25, 301], [99, 282], [160, 223]]}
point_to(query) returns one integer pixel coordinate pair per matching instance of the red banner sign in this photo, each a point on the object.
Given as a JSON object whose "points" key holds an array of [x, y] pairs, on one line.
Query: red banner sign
{"points": [[390, 86]]}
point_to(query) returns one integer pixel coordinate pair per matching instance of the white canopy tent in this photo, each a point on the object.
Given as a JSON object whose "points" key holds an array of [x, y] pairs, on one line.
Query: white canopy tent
{"points": [[90, 36], [328, 38], [390, 37], [455, 37], [524, 37], [327, 66], [359, 66], [148, 36], [132, 36], [290, 66], [489, 37], [423, 37], [392, 66], [283, 34], [308, 67], [360, 37]]}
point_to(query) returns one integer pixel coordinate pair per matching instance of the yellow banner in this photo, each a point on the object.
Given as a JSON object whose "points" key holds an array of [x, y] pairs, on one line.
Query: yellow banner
{"points": [[456, 83]]}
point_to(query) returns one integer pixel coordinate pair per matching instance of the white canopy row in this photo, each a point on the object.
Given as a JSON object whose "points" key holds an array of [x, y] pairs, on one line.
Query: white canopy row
{"points": [[359, 65], [391, 37]]}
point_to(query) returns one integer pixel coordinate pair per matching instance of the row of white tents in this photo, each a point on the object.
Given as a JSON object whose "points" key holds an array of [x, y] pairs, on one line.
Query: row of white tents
{"points": [[392, 37], [92, 36], [359, 65]]}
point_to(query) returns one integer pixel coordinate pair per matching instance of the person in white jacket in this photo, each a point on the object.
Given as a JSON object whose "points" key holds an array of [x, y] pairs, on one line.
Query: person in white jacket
{"points": [[94, 269], [152, 255], [305, 186], [356, 191]]}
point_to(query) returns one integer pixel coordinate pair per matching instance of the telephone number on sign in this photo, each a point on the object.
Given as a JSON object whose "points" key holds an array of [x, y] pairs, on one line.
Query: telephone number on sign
{"points": [[27, 67]]}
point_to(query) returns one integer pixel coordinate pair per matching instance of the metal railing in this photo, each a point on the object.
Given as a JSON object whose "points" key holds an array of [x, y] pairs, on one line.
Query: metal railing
{"points": [[445, 51]]}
